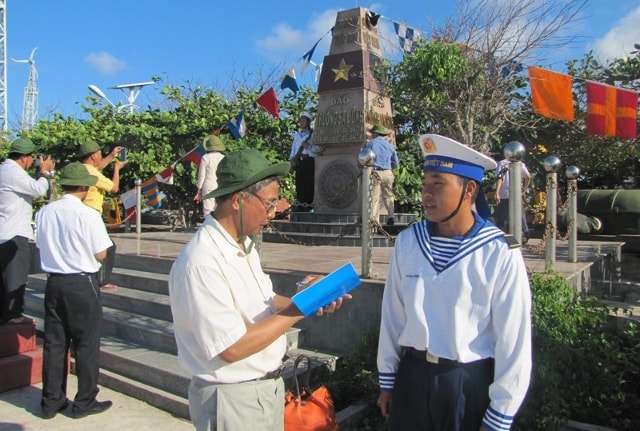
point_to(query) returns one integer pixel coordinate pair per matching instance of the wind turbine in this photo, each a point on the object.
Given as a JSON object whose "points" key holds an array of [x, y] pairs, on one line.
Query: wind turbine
{"points": [[30, 104]]}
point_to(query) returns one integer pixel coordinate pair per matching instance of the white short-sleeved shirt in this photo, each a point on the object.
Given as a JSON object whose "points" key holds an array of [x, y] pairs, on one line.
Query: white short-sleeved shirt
{"points": [[69, 235], [215, 289], [503, 170], [17, 189]]}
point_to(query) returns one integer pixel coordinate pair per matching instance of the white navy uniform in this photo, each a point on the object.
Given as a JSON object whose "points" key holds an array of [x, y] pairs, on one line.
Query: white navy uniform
{"points": [[463, 300], [455, 311]]}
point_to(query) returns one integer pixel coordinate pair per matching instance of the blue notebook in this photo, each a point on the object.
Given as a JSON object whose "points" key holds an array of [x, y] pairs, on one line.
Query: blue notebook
{"points": [[327, 290]]}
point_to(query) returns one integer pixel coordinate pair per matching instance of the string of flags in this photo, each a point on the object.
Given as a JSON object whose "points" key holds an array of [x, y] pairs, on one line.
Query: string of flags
{"points": [[611, 111]]}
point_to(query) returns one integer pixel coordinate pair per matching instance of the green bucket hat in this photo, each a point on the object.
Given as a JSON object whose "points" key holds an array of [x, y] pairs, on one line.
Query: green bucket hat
{"points": [[88, 147], [22, 146], [240, 169], [379, 129], [213, 143], [76, 174]]}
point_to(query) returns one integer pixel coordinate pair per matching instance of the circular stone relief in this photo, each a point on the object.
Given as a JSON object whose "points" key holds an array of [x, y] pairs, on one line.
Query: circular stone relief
{"points": [[338, 184]]}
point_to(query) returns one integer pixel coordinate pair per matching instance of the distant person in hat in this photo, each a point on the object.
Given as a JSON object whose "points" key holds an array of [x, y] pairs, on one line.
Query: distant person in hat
{"points": [[207, 181], [454, 352], [72, 239], [17, 189], [386, 161], [90, 154], [302, 159], [228, 322]]}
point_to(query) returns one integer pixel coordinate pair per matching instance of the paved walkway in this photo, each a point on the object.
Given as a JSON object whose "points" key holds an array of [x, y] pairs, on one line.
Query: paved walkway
{"points": [[20, 411], [20, 408], [324, 259]]}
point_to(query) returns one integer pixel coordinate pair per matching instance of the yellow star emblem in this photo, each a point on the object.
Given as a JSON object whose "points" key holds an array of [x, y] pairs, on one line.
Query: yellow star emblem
{"points": [[342, 72]]}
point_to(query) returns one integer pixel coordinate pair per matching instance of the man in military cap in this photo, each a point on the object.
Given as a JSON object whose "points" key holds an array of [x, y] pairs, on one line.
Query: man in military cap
{"points": [[455, 338], [72, 239], [90, 154], [17, 189], [386, 161], [228, 322]]}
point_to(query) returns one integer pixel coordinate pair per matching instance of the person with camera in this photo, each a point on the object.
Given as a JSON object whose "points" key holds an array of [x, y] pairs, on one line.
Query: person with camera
{"points": [[90, 154], [17, 189], [302, 159]]}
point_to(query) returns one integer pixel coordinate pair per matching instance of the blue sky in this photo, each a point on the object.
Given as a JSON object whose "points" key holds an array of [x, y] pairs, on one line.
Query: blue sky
{"points": [[213, 43]]}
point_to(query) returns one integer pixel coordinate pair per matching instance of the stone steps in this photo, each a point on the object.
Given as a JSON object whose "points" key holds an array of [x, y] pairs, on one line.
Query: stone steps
{"points": [[138, 349], [333, 229]]}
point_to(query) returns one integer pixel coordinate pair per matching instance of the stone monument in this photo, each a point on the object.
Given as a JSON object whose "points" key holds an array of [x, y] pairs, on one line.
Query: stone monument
{"points": [[350, 101]]}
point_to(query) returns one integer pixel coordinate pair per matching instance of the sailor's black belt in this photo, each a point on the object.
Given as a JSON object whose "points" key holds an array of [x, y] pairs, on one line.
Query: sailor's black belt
{"points": [[375, 168], [425, 355]]}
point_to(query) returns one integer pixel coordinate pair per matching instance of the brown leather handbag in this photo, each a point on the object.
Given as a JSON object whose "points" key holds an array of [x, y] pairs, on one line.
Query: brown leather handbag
{"points": [[307, 410]]}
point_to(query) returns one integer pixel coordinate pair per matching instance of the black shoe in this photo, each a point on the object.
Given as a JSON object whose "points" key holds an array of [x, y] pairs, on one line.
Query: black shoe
{"points": [[52, 414], [97, 407]]}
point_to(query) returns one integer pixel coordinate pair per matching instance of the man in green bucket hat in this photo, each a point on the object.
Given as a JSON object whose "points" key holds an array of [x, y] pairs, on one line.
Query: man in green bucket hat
{"points": [[228, 322], [72, 239], [207, 181], [17, 189]]}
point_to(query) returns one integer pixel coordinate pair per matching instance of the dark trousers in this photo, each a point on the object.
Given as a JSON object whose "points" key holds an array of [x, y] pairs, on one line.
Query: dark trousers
{"points": [[440, 397], [15, 261], [73, 315], [305, 177], [104, 274], [501, 217]]}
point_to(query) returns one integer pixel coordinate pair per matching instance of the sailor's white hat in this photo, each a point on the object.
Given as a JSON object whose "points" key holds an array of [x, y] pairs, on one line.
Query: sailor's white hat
{"points": [[447, 155]]}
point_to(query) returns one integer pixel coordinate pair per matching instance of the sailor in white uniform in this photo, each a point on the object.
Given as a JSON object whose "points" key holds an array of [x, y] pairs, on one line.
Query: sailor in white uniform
{"points": [[455, 338]]}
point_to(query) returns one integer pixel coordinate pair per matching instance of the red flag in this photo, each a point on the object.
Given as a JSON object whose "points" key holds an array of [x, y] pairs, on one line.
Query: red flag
{"points": [[551, 93], [611, 111], [269, 101], [195, 155]]}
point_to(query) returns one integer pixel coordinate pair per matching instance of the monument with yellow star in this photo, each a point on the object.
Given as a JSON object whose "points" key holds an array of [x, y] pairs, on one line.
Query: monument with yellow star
{"points": [[350, 101]]}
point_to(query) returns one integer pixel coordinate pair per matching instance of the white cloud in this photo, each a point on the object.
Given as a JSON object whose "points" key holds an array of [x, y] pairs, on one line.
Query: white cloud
{"points": [[619, 40], [105, 63], [284, 39]]}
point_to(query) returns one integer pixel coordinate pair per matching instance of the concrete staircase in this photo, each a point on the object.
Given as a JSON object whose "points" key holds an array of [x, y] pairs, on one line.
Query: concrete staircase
{"points": [[333, 229], [138, 350]]}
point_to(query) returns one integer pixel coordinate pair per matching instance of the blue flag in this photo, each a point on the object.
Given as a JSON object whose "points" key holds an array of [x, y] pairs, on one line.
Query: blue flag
{"points": [[306, 59], [407, 36], [289, 81], [236, 126]]}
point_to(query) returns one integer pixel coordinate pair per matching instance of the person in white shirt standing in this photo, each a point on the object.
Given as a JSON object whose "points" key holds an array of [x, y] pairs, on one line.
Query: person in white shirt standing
{"points": [[303, 161], [207, 180], [17, 189], [72, 239], [454, 352], [228, 322]]}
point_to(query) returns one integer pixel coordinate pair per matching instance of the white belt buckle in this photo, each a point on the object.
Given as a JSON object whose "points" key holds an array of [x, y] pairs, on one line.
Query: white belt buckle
{"points": [[433, 359]]}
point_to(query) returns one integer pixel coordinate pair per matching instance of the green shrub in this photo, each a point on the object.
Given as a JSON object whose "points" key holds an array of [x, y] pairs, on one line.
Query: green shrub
{"points": [[584, 368]]}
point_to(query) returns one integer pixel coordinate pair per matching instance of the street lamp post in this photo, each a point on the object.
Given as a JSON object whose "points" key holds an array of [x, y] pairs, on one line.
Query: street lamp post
{"points": [[132, 91], [96, 90]]}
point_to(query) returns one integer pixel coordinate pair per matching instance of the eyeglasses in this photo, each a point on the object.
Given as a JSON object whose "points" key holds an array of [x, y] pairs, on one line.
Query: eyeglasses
{"points": [[269, 206]]}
